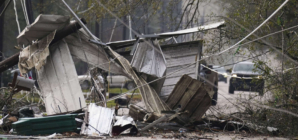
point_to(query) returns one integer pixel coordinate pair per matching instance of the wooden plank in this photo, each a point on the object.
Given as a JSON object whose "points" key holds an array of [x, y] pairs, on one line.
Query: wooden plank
{"points": [[192, 105], [179, 91], [189, 94], [201, 108]]}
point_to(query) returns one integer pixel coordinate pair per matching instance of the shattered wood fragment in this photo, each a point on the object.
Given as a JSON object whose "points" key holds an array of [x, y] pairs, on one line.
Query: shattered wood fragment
{"points": [[191, 96]]}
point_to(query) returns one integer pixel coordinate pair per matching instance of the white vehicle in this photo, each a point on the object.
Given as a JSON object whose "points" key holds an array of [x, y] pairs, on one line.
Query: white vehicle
{"points": [[113, 80]]}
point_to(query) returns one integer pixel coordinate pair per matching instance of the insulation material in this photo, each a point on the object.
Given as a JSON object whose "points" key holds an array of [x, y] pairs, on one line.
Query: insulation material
{"points": [[99, 121], [148, 58], [35, 55], [59, 82], [41, 27], [152, 101], [90, 53]]}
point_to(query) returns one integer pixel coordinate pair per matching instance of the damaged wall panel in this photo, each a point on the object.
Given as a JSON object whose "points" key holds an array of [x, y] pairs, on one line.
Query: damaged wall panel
{"points": [[59, 83], [189, 95], [179, 56]]}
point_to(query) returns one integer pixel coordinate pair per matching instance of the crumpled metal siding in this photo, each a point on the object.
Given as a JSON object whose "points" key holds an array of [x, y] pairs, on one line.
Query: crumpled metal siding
{"points": [[100, 118], [59, 82], [42, 26], [149, 60]]}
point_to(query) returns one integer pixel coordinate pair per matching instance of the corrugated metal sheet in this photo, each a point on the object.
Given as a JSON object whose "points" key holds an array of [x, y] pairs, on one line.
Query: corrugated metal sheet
{"points": [[99, 118], [179, 56], [59, 82], [42, 26], [148, 60]]}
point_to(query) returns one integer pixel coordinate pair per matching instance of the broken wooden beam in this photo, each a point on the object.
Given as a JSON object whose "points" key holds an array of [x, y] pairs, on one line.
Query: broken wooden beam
{"points": [[67, 30]]}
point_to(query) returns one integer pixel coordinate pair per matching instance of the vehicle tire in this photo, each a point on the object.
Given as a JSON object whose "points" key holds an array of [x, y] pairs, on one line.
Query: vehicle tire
{"points": [[130, 85], [231, 89], [85, 85], [226, 81], [214, 98]]}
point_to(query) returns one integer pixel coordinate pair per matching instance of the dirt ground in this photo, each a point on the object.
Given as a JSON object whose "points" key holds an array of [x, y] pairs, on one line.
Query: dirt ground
{"points": [[193, 136]]}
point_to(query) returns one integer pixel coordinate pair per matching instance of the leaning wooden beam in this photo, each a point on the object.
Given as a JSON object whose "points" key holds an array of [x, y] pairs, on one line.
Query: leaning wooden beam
{"points": [[67, 30]]}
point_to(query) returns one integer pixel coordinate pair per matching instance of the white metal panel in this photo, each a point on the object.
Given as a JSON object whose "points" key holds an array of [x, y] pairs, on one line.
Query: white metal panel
{"points": [[195, 29], [100, 120], [59, 82], [149, 59], [179, 57], [41, 27]]}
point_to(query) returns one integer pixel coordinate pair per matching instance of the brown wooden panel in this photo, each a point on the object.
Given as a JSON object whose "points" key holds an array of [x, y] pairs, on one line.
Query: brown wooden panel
{"points": [[192, 90], [179, 91], [201, 109]]}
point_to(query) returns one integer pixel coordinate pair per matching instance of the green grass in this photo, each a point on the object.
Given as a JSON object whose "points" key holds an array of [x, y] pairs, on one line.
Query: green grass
{"points": [[118, 90]]}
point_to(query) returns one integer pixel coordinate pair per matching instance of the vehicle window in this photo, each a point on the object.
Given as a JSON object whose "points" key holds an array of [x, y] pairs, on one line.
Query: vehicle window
{"points": [[220, 69], [246, 67]]}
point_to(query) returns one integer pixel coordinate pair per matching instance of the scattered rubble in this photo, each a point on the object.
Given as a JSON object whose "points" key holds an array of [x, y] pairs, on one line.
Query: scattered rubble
{"points": [[175, 103]]}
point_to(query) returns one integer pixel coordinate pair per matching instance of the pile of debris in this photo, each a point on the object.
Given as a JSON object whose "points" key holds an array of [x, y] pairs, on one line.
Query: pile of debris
{"points": [[53, 40]]}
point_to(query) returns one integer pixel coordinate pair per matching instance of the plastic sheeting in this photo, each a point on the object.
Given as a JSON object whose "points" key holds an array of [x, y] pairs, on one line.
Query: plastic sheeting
{"points": [[42, 26]]}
